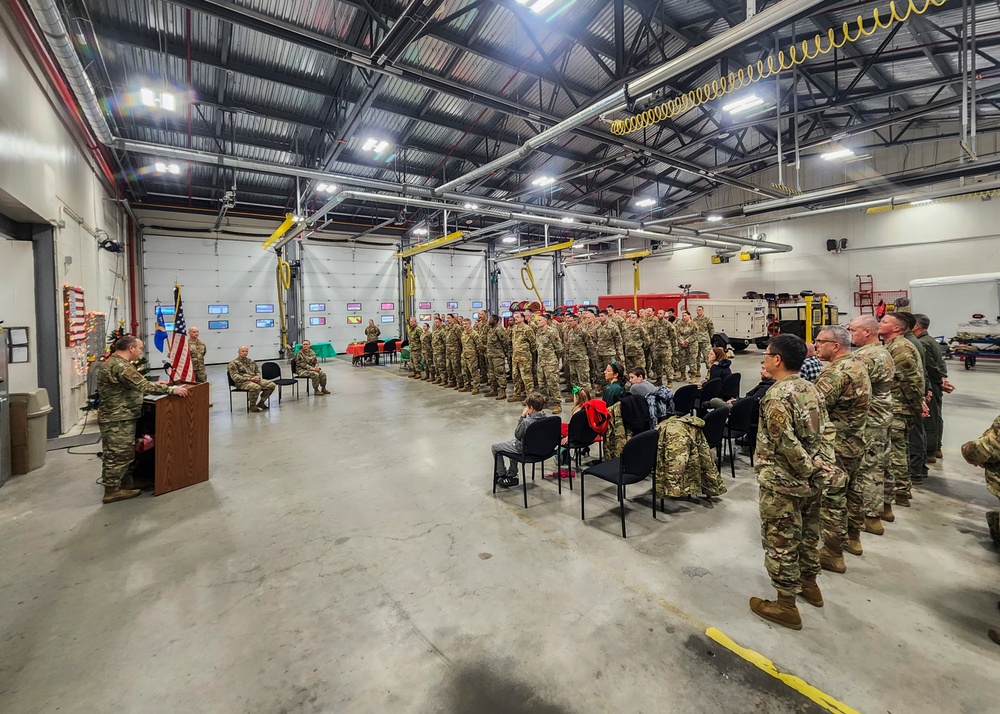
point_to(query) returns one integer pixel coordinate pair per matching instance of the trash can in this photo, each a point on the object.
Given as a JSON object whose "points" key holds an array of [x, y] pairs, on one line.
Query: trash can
{"points": [[37, 406]]}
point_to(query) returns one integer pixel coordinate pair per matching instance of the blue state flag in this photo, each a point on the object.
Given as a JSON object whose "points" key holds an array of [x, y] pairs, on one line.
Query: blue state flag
{"points": [[161, 330]]}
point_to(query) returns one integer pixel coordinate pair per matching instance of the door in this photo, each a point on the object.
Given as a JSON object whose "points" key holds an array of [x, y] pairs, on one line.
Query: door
{"points": [[4, 411]]}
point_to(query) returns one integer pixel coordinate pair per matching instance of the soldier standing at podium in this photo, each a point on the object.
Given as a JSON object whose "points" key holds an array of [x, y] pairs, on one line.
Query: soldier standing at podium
{"points": [[197, 350], [120, 389]]}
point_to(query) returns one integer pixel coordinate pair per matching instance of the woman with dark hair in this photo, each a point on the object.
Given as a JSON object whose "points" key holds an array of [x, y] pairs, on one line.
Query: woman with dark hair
{"points": [[614, 375], [719, 365], [372, 332]]}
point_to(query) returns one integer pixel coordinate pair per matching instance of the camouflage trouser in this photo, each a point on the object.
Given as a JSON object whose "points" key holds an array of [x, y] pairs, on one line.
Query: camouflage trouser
{"points": [[579, 372], [484, 368], [664, 365], [873, 466], [521, 372], [789, 532], [897, 471], [993, 482], [441, 363], [633, 359], [470, 372], [548, 378], [702, 349], [414, 359], [258, 390], [454, 365], [688, 364], [841, 503], [497, 377], [200, 375], [318, 380], [118, 451]]}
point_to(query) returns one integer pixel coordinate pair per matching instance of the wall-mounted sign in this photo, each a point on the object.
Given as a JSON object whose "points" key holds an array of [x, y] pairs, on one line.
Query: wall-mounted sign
{"points": [[547, 303], [76, 318], [586, 302]]}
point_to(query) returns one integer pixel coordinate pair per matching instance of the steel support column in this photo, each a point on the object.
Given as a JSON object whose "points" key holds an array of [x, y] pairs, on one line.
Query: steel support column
{"points": [[557, 279], [492, 282], [48, 318]]}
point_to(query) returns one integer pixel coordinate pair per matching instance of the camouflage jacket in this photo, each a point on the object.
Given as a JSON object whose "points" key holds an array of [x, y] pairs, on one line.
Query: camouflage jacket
{"points": [[608, 340], [548, 343], [453, 337], [908, 379], [471, 342], [372, 333], [497, 341], [305, 360], [522, 340], [121, 388], [686, 332], [684, 462], [705, 328], [795, 440], [414, 333], [242, 369], [986, 450], [934, 366], [575, 345], [197, 349], [632, 337], [878, 363], [426, 343], [438, 339], [847, 391]]}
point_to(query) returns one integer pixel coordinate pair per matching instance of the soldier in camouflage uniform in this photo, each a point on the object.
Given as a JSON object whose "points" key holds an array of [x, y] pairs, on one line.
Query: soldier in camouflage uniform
{"points": [[522, 346], [794, 460], [633, 341], [908, 404], [575, 352], [706, 329], [684, 462], [427, 350], [197, 350], [985, 452], [416, 348], [847, 391], [497, 347], [306, 364], [687, 338], [469, 380], [663, 350], [607, 344], [120, 389], [878, 364], [482, 326], [372, 332], [588, 325], [647, 326], [440, 352], [453, 353], [246, 376], [549, 346], [937, 383]]}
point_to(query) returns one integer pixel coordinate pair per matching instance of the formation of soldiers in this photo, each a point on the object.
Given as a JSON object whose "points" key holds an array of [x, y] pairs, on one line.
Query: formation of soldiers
{"points": [[540, 352], [832, 457]]}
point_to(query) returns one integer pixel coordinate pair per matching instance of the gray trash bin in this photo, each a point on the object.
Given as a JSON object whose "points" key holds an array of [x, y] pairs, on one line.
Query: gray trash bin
{"points": [[38, 408]]}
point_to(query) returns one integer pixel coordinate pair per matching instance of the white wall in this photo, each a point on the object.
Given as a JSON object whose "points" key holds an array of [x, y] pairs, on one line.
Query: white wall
{"points": [[17, 306], [450, 276], [45, 174], [896, 247], [585, 282]]}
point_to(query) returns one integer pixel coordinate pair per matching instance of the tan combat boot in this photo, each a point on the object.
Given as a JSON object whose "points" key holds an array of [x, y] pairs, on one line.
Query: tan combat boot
{"points": [[781, 611], [811, 592], [873, 526], [461, 389], [116, 493], [902, 500], [501, 396], [491, 393], [854, 542], [254, 408], [557, 409], [938, 454], [515, 398], [262, 405], [887, 515], [832, 559], [474, 391]]}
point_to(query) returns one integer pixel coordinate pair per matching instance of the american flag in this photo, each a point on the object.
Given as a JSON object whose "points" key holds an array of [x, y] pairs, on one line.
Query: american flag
{"points": [[182, 369]]}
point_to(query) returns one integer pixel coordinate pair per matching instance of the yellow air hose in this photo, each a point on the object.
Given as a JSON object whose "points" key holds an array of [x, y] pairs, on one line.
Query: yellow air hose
{"points": [[283, 278], [635, 285], [529, 281], [411, 291], [768, 67]]}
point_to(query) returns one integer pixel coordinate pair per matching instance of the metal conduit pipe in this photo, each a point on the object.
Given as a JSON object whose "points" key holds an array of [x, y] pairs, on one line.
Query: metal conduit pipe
{"points": [[639, 88]]}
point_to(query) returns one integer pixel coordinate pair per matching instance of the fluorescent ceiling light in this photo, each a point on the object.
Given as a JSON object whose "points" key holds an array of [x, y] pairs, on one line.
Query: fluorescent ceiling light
{"points": [[543, 181], [922, 203], [164, 168], [509, 239], [646, 202], [420, 231], [167, 102], [376, 145], [567, 219], [536, 6], [147, 97], [838, 154], [163, 100], [714, 218], [471, 206], [326, 187], [741, 105]]}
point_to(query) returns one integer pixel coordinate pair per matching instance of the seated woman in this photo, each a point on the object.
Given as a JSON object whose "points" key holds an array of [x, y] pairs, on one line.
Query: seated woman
{"points": [[615, 376], [719, 365], [580, 397]]}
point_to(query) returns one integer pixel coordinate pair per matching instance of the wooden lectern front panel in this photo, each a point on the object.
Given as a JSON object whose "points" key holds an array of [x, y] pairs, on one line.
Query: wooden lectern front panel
{"points": [[182, 439]]}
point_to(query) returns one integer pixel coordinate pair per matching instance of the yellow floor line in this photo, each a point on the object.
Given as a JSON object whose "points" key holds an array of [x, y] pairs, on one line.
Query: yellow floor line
{"points": [[763, 663]]}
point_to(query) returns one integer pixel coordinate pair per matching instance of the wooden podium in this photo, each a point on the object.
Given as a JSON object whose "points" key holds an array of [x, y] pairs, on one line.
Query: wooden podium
{"points": [[180, 438]]}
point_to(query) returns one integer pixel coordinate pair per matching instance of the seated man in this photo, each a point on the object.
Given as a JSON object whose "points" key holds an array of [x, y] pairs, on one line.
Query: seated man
{"points": [[506, 476], [758, 392], [246, 376], [638, 384], [307, 365]]}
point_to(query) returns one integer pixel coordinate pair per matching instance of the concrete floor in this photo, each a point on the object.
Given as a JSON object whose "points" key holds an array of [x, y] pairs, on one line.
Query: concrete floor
{"points": [[347, 555]]}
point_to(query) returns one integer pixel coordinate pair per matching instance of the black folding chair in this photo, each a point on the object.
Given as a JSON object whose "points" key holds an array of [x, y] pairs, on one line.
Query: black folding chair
{"points": [[234, 388], [541, 440], [714, 430], [684, 399], [709, 390], [636, 463], [371, 353], [579, 436], [390, 351], [731, 386], [742, 418], [272, 371]]}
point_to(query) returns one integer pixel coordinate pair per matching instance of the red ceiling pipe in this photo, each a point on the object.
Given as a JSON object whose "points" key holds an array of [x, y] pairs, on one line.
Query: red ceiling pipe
{"points": [[55, 77]]}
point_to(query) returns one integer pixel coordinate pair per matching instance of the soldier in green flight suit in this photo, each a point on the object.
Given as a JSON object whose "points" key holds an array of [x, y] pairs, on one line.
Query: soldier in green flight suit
{"points": [[120, 389], [794, 460]]}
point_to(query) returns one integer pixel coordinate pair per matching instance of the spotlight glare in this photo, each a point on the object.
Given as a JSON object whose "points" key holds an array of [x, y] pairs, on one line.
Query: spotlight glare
{"points": [[838, 154], [509, 239], [147, 97], [714, 218], [543, 181], [646, 202]]}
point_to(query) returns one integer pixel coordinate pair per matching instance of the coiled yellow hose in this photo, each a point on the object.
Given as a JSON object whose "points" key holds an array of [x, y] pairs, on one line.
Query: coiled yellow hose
{"points": [[768, 67], [283, 278], [411, 290], [636, 283], [529, 281]]}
